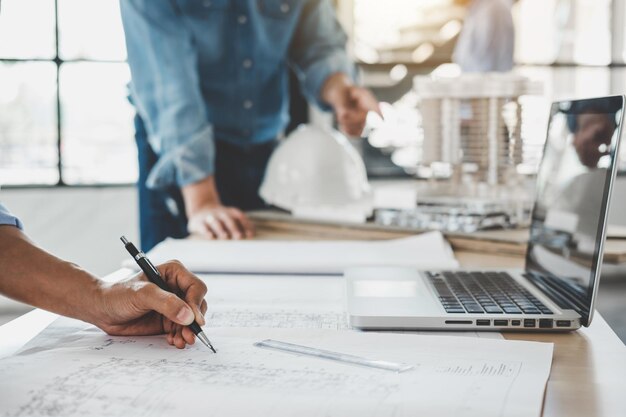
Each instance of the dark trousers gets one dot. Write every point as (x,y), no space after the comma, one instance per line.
(238,175)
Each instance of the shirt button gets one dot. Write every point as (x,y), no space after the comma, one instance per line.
(242,19)
(247,104)
(247,63)
(284,7)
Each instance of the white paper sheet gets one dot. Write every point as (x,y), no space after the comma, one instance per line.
(285,301)
(428,250)
(278,318)
(75,370)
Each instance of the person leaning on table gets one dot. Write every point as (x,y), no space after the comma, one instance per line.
(134,306)
(210,86)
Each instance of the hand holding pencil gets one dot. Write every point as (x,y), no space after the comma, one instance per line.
(139,306)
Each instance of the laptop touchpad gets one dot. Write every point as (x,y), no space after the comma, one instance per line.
(380,288)
(389,291)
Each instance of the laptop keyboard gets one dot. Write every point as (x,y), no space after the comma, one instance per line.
(484,292)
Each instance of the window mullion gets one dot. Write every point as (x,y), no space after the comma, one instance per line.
(58,62)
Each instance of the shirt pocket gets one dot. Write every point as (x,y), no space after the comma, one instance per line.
(277,9)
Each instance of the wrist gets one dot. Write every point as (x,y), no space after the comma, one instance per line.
(200,195)
(335,89)
(89,302)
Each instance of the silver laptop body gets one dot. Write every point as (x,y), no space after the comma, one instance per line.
(556,290)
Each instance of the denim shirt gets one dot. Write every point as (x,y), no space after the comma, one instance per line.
(205,70)
(7,218)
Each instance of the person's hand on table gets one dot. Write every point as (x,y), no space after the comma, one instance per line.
(220,222)
(138,307)
(350,103)
(209,218)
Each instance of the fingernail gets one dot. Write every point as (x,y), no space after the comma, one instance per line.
(185,316)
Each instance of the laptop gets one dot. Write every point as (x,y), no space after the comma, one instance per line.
(557,288)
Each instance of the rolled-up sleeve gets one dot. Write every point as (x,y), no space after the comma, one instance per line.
(318,49)
(166,92)
(7,218)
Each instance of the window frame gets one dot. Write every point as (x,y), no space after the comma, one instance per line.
(59,62)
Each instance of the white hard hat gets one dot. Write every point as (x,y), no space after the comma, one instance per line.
(316,173)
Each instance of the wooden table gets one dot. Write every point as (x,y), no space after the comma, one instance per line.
(588,377)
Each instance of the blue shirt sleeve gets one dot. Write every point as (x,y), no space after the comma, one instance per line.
(318,49)
(7,218)
(166,92)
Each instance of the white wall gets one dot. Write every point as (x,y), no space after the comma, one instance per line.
(82,225)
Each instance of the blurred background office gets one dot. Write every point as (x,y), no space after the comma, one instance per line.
(68,161)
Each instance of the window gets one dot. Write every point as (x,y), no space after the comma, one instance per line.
(571,32)
(64,114)
(575,48)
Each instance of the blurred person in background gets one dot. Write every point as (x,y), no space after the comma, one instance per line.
(593,133)
(487,41)
(210,86)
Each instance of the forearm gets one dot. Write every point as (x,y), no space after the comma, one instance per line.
(199,195)
(33,276)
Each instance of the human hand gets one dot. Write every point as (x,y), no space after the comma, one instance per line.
(138,307)
(351,103)
(351,111)
(220,222)
(592,138)
(207,217)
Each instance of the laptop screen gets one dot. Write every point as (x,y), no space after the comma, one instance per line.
(573,184)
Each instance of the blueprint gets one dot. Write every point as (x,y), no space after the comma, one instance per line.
(73,369)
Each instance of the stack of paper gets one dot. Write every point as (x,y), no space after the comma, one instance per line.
(425,251)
